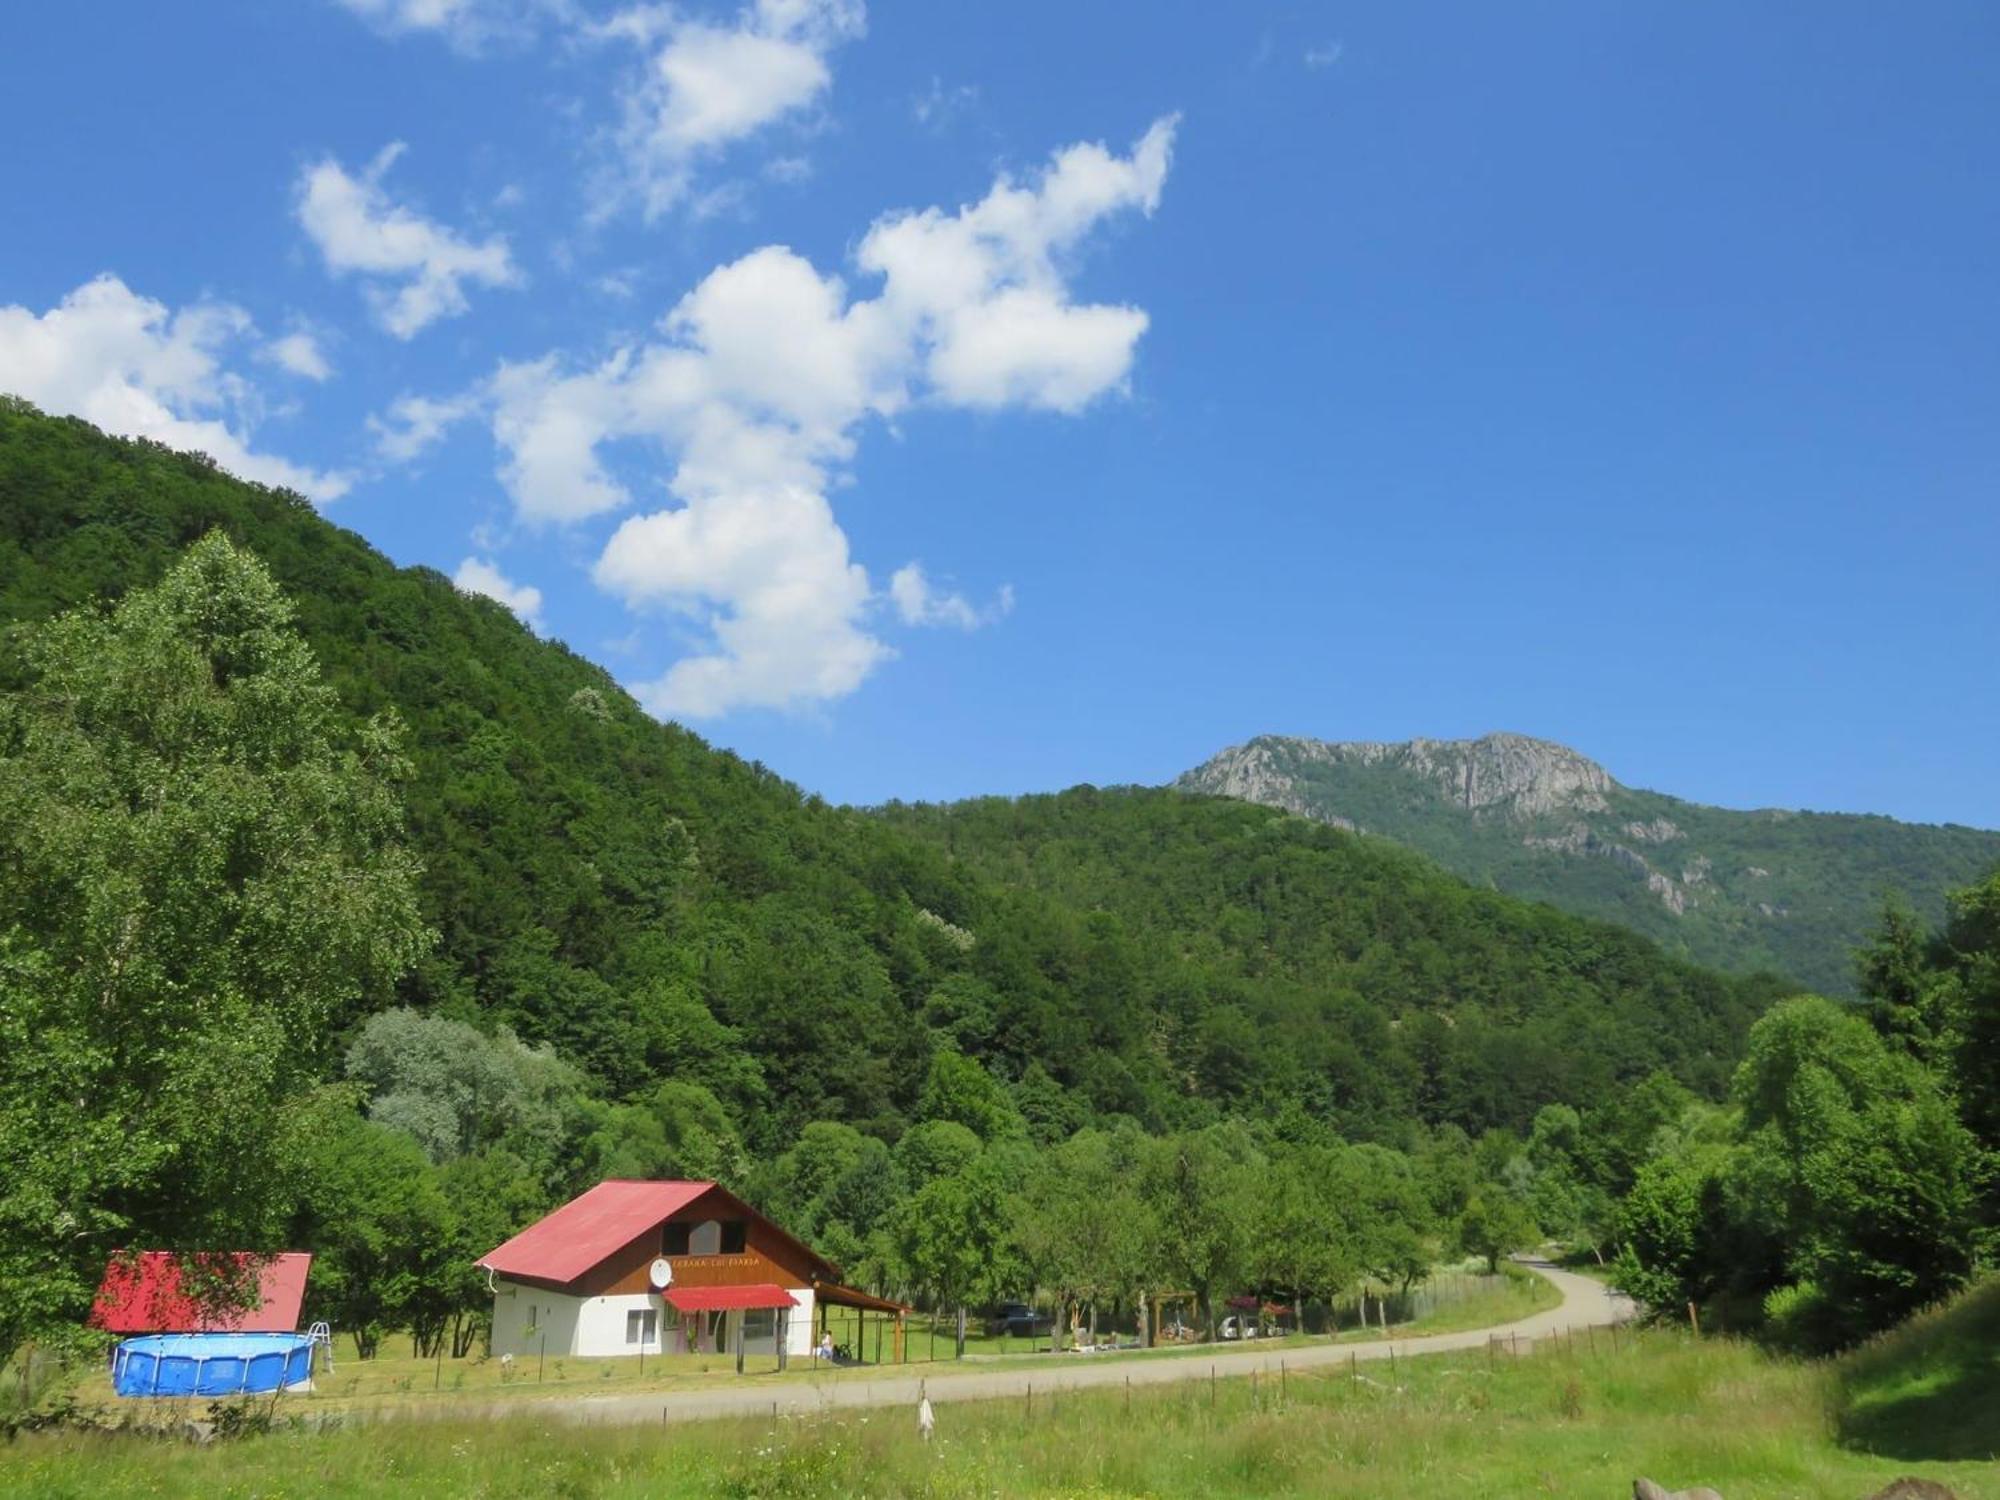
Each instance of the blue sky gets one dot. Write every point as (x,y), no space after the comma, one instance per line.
(942,399)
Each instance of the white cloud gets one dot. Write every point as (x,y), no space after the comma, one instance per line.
(133,367)
(983,293)
(755,391)
(938,106)
(706,86)
(774,557)
(476,575)
(919,602)
(416,424)
(299,353)
(468,25)
(1324,56)
(358,228)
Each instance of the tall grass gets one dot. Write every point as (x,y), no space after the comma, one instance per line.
(1929,1388)
(1570,1422)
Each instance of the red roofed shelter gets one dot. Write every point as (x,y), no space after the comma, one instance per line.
(149,1291)
(649,1267)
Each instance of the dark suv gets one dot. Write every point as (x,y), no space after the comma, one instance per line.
(1020,1321)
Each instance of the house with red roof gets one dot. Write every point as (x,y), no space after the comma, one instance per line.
(661,1267)
(157,1291)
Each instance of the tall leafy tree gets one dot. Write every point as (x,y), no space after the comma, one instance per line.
(1306,1242)
(204,874)
(1861,1157)
(1081,1226)
(1203,1186)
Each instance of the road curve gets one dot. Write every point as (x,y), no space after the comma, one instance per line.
(1586,1304)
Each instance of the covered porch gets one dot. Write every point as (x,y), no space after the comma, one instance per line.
(865,1319)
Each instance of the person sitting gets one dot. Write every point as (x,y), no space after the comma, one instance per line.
(824,1350)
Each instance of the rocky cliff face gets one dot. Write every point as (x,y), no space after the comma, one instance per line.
(1791,891)
(1506,773)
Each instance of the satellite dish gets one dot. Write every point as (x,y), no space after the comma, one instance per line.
(661,1273)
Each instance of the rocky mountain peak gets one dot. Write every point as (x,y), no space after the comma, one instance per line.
(1513,774)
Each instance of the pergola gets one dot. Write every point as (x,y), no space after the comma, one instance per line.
(832,1292)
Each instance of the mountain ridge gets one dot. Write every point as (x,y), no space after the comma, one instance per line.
(1769,888)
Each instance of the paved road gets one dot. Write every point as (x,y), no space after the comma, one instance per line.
(1586,1304)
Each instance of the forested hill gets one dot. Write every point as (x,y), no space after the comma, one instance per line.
(656,908)
(1295,961)
(1797,892)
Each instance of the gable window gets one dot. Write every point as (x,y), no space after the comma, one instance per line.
(642,1325)
(706,1237)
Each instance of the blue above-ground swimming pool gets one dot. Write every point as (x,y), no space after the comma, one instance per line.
(210,1364)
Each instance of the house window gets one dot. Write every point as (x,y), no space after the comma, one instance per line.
(760,1322)
(642,1325)
(708,1237)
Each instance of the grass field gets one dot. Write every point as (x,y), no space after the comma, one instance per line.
(1574,1423)
(1932,1387)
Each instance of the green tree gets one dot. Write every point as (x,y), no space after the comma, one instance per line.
(205,875)
(1870,1176)
(453,1089)
(951,1234)
(960,1090)
(1387,1213)
(1673,1228)
(1203,1187)
(673,1130)
(1306,1242)
(489,1197)
(1970,963)
(1906,1002)
(1080,1225)
(384,1241)
(1495,1223)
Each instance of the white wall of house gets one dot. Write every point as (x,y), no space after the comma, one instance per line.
(594,1327)
(528,1320)
(589,1327)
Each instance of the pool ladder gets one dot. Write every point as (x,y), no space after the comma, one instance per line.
(320,1336)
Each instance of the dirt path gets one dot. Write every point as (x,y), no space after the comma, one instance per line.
(1586,1304)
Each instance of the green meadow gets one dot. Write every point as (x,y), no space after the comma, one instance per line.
(1570,1421)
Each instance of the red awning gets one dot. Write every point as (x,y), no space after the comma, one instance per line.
(717,1298)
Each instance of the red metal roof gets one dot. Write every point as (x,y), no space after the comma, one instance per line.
(716,1298)
(563,1245)
(141,1293)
